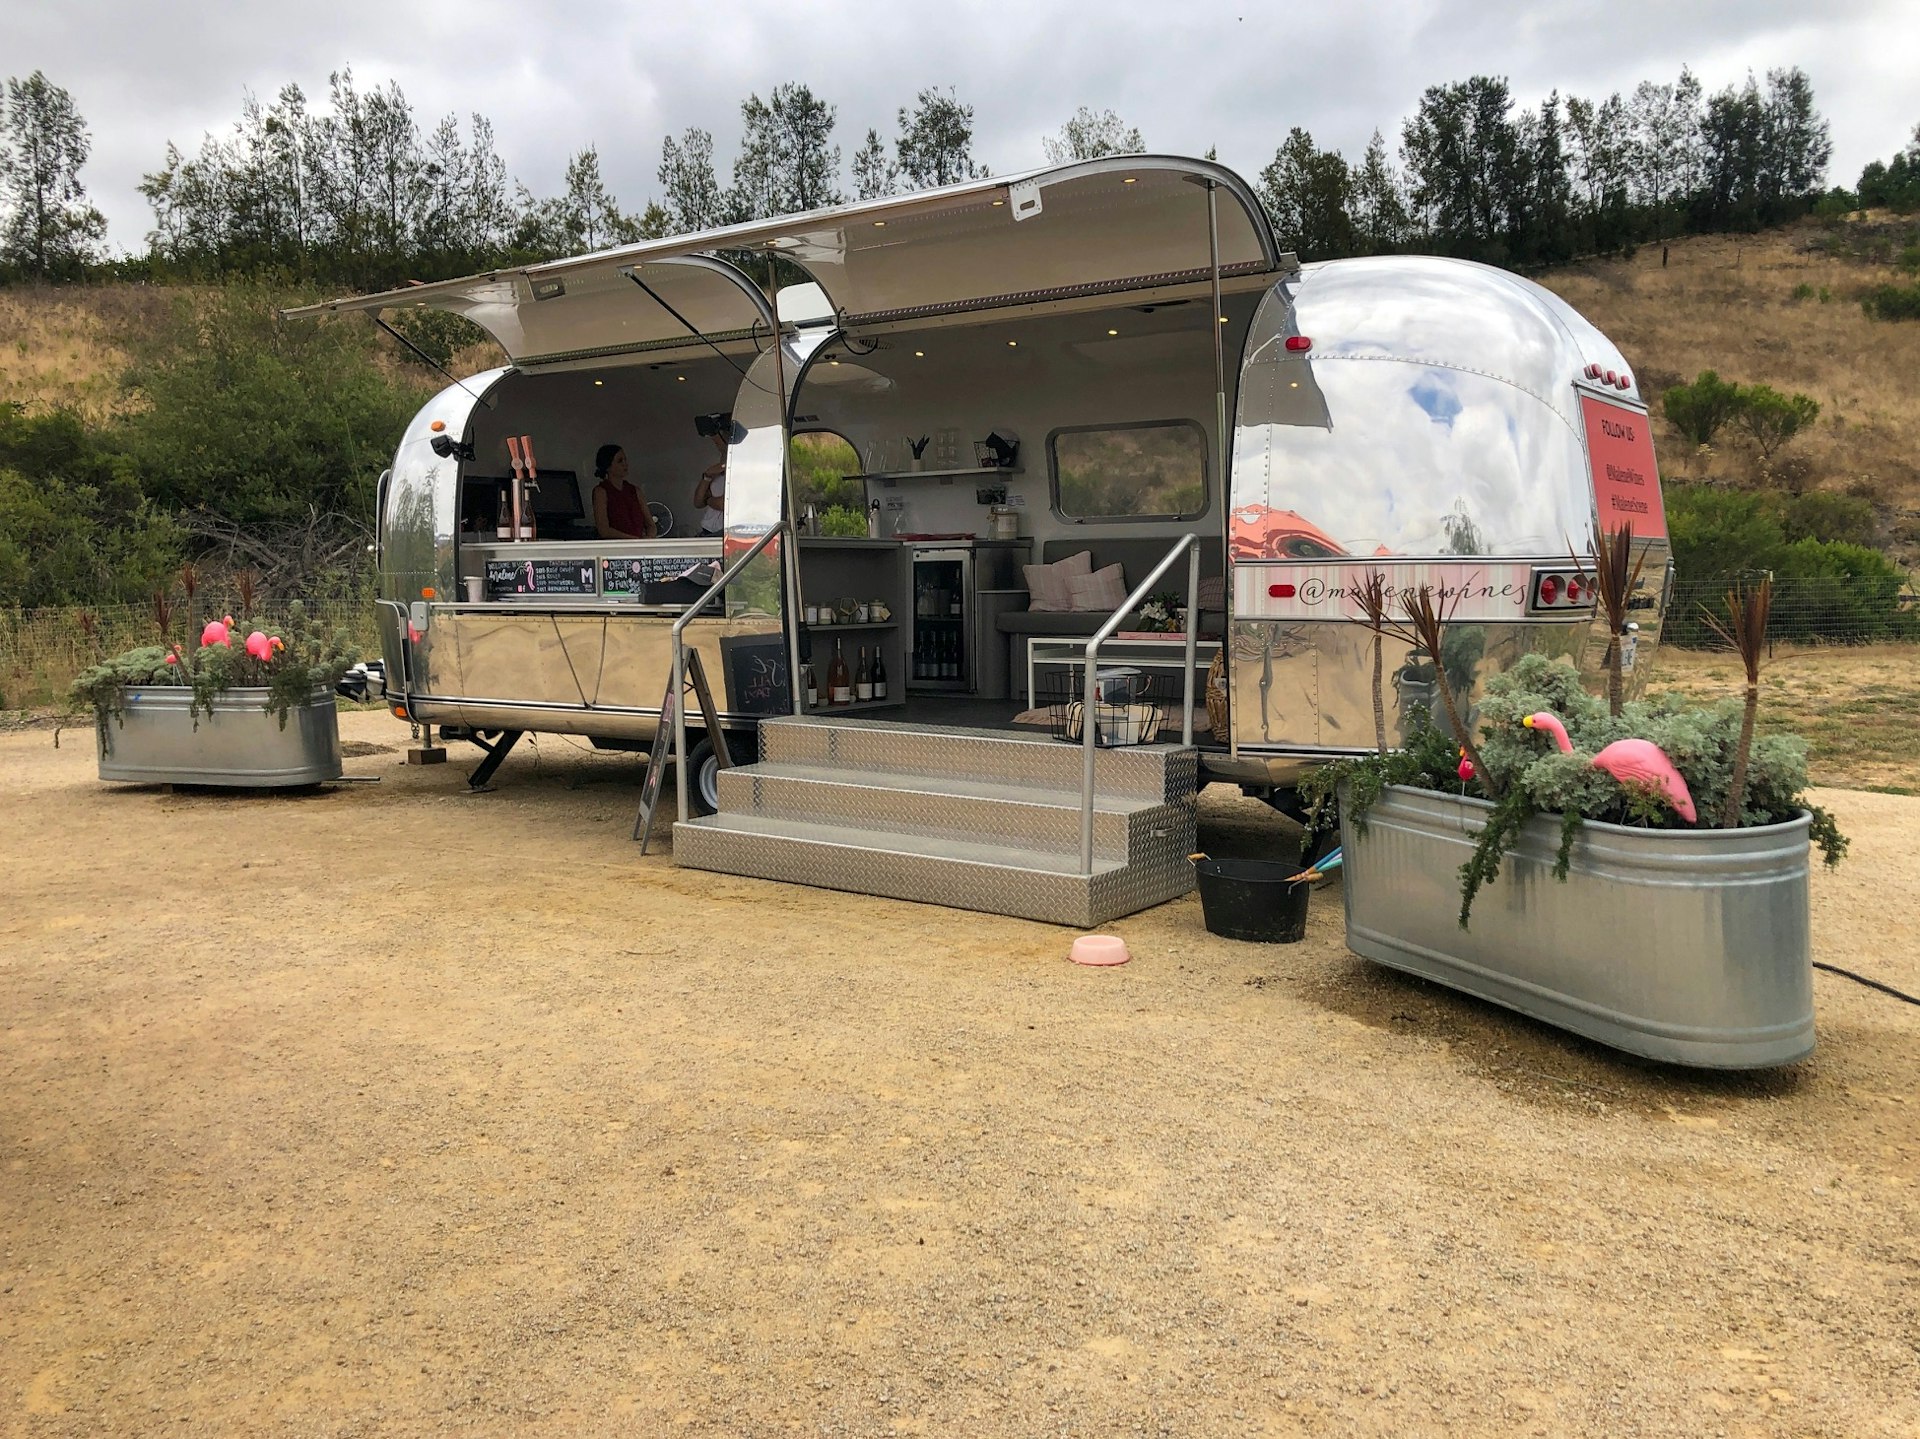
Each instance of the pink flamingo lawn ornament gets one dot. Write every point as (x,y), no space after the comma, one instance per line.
(1640,761)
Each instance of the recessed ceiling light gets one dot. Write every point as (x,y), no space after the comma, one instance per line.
(834,361)
(919,354)
(599,382)
(1012,343)
(1129,181)
(1223,319)
(1293,384)
(879,224)
(998,203)
(1113,332)
(681,378)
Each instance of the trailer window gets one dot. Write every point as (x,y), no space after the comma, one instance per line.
(1151,471)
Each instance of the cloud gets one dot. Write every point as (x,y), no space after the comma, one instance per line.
(621,76)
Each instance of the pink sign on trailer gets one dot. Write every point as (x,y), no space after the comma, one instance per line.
(1626,485)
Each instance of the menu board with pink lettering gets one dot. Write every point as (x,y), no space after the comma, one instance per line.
(1626,486)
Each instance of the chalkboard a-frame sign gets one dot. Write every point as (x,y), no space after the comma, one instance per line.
(756,674)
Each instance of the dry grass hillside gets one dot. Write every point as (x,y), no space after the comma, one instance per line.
(66,347)
(1727,303)
(1780,309)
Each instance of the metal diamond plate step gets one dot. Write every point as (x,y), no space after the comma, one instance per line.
(1004,816)
(1024,884)
(1153,772)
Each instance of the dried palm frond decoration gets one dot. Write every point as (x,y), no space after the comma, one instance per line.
(1615,574)
(1746,630)
(1422,625)
(1371,598)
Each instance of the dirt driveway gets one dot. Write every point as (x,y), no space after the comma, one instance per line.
(387,1110)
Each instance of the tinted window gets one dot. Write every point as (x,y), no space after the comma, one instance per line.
(1156,471)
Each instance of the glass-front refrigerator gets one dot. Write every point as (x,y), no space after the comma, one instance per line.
(942,620)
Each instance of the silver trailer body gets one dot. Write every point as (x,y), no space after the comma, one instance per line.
(1438,421)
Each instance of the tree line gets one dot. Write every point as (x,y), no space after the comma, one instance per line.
(358,190)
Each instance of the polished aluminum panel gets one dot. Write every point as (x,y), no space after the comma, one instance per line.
(1688,946)
(970,245)
(595,311)
(1434,415)
(235,742)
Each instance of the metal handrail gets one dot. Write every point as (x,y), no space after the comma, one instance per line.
(680,666)
(1088,736)
(406,648)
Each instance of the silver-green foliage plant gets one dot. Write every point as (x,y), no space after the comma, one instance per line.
(1534,777)
(297,658)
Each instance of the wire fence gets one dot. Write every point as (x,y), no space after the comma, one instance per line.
(1805,611)
(42,650)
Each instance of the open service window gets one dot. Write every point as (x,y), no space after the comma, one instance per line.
(1153,470)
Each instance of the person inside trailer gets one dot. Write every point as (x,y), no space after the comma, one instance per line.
(619,508)
(709,496)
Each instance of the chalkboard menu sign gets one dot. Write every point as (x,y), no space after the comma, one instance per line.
(539,577)
(756,674)
(628,576)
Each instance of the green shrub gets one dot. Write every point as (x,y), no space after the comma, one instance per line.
(1771,418)
(1700,409)
(1803,291)
(1892,302)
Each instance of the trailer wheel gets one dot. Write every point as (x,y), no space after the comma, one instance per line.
(703,776)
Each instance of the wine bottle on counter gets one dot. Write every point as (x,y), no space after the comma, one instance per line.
(839,682)
(862,678)
(879,675)
(503,516)
(813,688)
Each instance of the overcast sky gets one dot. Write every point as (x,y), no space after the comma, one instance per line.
(622,75)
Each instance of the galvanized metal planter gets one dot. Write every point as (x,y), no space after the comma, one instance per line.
(1688,946)
(238,743)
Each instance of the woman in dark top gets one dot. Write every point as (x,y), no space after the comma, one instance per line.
(619,508)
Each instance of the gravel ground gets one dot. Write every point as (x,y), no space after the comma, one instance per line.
(389,1110)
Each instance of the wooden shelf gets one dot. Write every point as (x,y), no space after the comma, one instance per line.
(971,470)
(865,625)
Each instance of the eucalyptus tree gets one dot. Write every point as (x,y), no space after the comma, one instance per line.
(47,227)
(935,146)
(874,172)
(1088,136)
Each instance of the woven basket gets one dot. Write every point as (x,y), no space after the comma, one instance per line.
(1217,695)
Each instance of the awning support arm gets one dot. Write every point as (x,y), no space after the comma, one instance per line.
(1219,438)
(374,315)
(689,326)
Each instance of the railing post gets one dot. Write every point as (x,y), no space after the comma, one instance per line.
(1193,630)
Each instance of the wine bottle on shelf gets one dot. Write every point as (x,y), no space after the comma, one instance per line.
(920,658)
(813,688)
(879,675)
(953,658)
(839,682)
(863,678)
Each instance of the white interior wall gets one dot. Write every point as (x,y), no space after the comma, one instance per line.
(1062,371)
(646,409)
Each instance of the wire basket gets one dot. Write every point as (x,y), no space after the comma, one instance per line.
(1129,706)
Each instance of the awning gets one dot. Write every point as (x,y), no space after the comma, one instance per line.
(592,311)
(1110,226)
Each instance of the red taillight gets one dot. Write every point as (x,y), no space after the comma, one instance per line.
(1573,592)
(1549,590)
(1281,592)
(1612,378)
(1626,382)
(1593,372)
(1299,344)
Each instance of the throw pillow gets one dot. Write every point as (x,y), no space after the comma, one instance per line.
(1047,584)
(1213,593)
(1103,590)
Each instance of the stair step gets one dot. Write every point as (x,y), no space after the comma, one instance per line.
(1005,817)
(1157,772)
(1026,884)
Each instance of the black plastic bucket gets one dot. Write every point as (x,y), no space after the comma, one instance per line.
(1253,899)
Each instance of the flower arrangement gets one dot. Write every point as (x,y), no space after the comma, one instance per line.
(1545,747)
(288,661)
(1163,614)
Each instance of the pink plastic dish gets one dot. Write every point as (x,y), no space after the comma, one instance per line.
(1100,949)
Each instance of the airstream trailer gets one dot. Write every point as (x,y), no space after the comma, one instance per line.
(1068,392)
